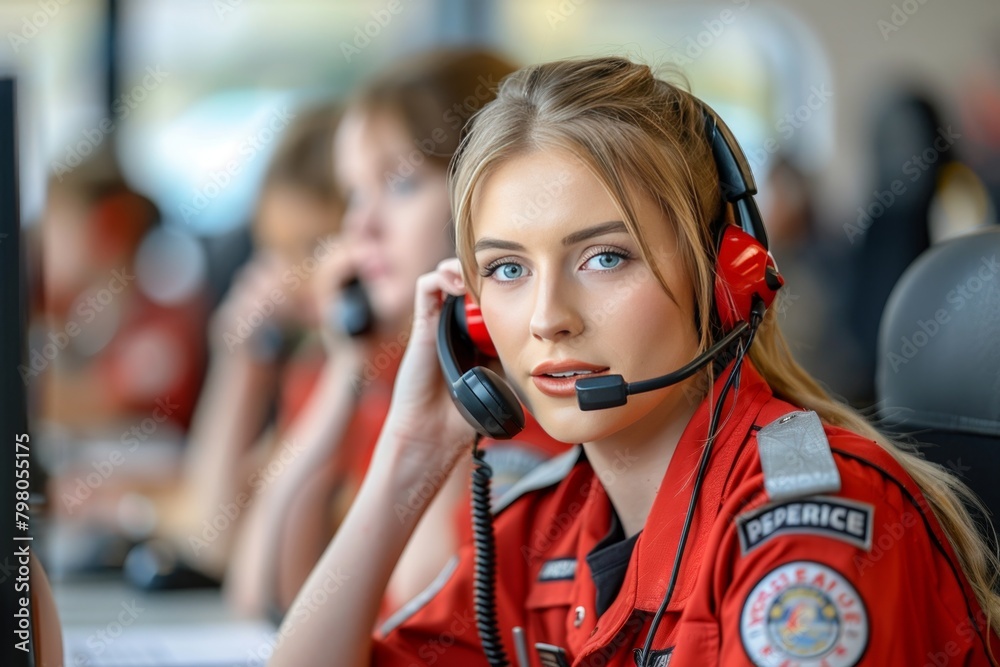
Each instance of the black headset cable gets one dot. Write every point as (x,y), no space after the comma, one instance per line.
(734,374)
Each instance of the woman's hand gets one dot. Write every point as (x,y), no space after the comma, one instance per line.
(423,424)
(328,292)
(257,304)
(422,439)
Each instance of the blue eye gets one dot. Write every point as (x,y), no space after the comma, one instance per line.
(604,261)
(506,272)
(405,186)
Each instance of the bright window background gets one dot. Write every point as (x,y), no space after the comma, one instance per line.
(753,67)
(236,70)
(232,62)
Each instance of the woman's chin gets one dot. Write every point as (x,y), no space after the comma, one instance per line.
(392,310)
(572,426)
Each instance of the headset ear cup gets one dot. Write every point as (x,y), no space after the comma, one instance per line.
(744,270)
(471,320)
(480,395)
(487,403)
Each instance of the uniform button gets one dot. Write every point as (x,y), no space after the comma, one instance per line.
(578,615)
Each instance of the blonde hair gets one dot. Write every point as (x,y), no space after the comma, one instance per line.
(640,135)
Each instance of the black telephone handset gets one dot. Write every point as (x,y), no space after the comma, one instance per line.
(354,316)
(484,399)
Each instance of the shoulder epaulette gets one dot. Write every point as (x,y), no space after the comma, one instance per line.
(796,458)
(547,474)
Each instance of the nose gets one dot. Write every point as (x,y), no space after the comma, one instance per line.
(364,219)
(554,316)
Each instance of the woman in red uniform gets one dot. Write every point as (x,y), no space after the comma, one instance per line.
(736,517)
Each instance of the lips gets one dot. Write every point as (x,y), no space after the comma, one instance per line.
(558,378)
(373,270)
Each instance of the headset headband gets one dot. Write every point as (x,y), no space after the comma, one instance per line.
(735,176)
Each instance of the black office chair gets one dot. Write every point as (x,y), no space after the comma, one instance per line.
(938,374)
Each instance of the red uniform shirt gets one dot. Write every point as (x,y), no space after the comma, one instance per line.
(860,576)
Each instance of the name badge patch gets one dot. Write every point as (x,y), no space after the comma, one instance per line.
(560,569)
(838,518)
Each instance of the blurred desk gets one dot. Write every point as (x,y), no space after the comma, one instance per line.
(91,601)
(108,623)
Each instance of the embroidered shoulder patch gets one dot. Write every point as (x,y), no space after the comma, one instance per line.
(795,457)
(807,614)
(839,518)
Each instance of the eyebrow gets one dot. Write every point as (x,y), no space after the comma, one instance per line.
(596,230)
(487,243)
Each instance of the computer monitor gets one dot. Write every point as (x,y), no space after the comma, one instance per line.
(14,441)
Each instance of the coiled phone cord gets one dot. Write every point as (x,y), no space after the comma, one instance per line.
(484,581)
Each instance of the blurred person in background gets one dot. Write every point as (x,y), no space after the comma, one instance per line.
(969,196)
(266,352)
(980,109)
(105,372)
(811,311)
(392,151)
(116,357)
(911,145)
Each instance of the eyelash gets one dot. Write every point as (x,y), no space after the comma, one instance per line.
(493,266)
(609,250)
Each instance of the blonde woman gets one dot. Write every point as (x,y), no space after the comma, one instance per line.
(736,517)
